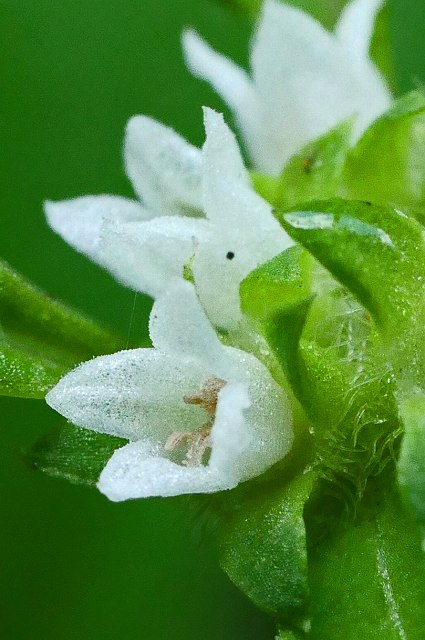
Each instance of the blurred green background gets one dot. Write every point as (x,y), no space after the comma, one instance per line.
(72,565)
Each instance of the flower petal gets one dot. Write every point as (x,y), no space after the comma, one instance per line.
(267,433)
(230,81)
(134,472)
(178,325)
(165,169)
(221,158)
(307,81)
(355,26)
(230,435)
(243,234)
(79,221)
(135,394)
(235,87)
(144,256)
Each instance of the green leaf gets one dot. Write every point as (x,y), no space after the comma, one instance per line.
(316,171)
(367,576)
(328,12)
(41,338)
(386,166)
(263,550)
(329,350)
(23,376)
(411,465)
(74,454)
(378,254)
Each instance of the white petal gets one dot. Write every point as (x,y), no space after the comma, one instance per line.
(243,234)
(230,81)
(307,81)
(133,394)
(165,169)
(239,449)
(230,435)
(79,221)
(178,325)
(235,87)
(220,153)
(144,256)
(268,419)
(133,472)
(355,26)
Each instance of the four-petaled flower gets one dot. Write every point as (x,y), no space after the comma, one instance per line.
(305,80)
(199,208)
(199,416)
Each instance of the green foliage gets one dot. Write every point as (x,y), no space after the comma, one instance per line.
(263,550)
(386,165)
(41,338)
(326,345)
(75,454)
(411,465)
(367,577)
(377,253)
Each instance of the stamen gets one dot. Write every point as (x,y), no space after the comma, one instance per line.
(208,396)
(198,441)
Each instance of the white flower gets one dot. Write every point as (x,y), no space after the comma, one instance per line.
(187,397)
(199,208)
(305,80)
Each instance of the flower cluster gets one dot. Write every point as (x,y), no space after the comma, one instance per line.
(201,416)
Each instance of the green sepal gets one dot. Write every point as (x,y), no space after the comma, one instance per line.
(367,574)
(281,281)
(74,454)
(41,338)
(263,550)
(316,171)
(276,297)
(386,166)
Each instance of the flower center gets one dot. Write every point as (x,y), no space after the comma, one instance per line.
(198,441)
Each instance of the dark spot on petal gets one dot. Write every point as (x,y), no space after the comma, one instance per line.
(230,255)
